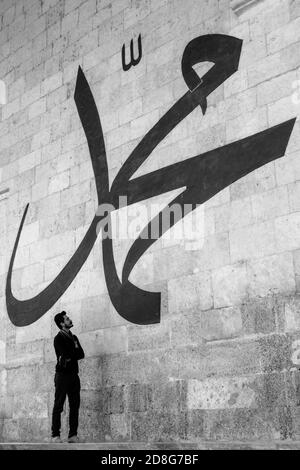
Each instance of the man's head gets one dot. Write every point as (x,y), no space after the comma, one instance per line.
(63,321)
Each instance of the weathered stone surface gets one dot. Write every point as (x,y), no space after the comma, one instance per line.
(91,371)
(148,337)
(158,426)
(245,424)
(138,397)
(224,358)
(120,427)
(221,393)
(96,313)
(6,406)
(25,353)
(230,285)
(206,326)
(104,341)
(190,293)
(274,352)
(292,314)
(26,430)
(94,426)
(262,315)
(31,378)
(271,275)
(33,405)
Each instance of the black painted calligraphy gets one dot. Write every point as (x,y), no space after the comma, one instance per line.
(201,177)
(132,61)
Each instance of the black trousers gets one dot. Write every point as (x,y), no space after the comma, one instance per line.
(66,384)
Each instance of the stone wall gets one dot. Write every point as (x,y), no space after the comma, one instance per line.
(222,363)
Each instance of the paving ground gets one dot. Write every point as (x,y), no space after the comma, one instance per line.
(207,445)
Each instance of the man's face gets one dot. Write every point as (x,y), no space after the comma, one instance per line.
(67,322)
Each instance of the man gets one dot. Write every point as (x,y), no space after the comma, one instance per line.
(68,351)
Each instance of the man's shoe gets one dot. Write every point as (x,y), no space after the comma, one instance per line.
(73,439)
(56,439)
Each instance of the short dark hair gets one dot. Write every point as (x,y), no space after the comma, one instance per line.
(59,318)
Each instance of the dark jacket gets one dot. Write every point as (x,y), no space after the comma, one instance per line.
(66,352)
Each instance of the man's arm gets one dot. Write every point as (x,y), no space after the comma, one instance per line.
(78,349)
(62,350)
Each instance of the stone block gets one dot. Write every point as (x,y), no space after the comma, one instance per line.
(26,430)
(274,352)
(271,275)
(141,125)
(131,111)
(158,427)
(234,215)
(2,352)
(242,424)
(289,57)
(230,285)
(6,407)
(226,358)
(190,293)
(51,83)
(92,343)
(120,427)
(29,161)
(205,326)
(282,110)
(94,427)
(237,83)
(32,275)
(247,124)
(115,340)
(287,231)
(112,399)
(11,108)
(284,36)
(276,88)
(253,51)
(24,353)
(38,330)
(59,182)
(294,9)
(221,393)
(91,373)
(292,314)
(30,234)
(288,168)
(265,69)
(148,337)
(293,192)
(95,313)
(223,323)
(141,367)
(270,204)
(195,425)
(37,108)
(170,397)
(138,397)
(105,341)
(38,378)
(238,104)
(262,315)
(30,406)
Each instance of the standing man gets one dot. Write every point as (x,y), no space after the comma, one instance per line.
(68,352)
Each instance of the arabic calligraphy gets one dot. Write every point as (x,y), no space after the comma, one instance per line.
(132,61)
(200,177)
